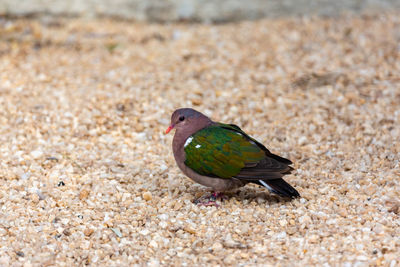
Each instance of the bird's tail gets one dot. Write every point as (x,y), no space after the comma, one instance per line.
(280,187)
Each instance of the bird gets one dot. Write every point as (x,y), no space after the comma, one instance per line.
(223,157)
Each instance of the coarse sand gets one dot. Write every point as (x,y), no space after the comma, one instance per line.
(87,175)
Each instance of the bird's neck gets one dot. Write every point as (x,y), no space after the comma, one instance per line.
(180,139)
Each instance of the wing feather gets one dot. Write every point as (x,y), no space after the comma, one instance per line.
(225,151)
(221,152)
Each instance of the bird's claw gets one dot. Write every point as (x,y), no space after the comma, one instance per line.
(207,203)
(210,199)
(220,196)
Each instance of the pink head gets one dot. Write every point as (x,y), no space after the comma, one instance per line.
(188,119)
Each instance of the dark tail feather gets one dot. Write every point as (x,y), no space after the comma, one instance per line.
(280,187)
(280,159)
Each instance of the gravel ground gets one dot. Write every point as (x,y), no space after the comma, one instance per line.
(88,177)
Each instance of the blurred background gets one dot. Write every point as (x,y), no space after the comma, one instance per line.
(191,10)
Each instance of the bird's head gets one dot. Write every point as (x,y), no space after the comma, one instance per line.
(187,119)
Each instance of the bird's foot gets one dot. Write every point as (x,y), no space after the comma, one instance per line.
(211,199)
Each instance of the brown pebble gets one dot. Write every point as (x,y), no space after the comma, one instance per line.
(342,212)
(88,231)
(393,206)
(313,238)
(370,190)
(139,127)
(35,198)
(229,259)
(83,194)
(189,229)
(217,246)
(67,232)
(178,205)
(196,101)
(147,196)
(282,223)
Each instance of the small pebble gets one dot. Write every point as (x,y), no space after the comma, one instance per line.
(35,198)
(189,229)
(229,259)
(153,244)
(302,140)
(83,194)
(217,246)
(147,196)
(88,231)
(117,232)
(313,239)
(36,154)
(67,232)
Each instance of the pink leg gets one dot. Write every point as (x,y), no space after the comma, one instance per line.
(210,199)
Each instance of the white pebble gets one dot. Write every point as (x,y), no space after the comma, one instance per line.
(144,232)
(281,235)
(36,154)
(153,244)
(302,140)
(163,217)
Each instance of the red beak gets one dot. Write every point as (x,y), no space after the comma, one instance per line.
(169,129)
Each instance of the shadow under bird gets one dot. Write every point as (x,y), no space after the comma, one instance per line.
(223,157)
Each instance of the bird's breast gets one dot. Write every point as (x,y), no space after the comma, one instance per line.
(178,147)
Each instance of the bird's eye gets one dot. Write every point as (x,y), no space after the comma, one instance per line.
(182,118)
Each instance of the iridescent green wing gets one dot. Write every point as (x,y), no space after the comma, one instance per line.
(221,150)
